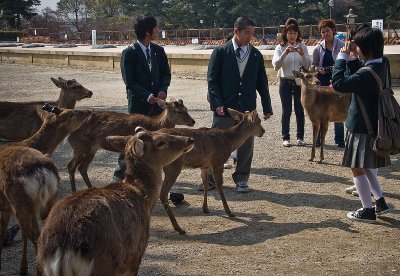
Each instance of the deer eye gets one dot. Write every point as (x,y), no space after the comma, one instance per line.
(161,144)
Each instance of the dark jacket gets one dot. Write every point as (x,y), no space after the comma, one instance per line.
(139,81)
(226,88)
(363,84)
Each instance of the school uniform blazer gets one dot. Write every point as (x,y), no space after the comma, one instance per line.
(225,86)
(360,83)
(140,82)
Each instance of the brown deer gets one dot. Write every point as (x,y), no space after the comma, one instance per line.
(19,120)
(29,179)
(105,231)
(322,105)
(89,138)
(212,148)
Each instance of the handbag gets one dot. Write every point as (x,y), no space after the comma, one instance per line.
(387,139)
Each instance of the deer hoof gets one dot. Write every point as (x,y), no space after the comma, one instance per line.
(181,231)
(231,215)
(205,210)
(320,162)
(311,159)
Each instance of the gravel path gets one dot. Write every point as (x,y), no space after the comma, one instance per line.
(292,222)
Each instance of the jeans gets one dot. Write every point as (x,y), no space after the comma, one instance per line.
(288,90)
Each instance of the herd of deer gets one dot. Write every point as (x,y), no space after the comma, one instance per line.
(104,231)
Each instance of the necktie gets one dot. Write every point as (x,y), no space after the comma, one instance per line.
(148,56)
(237,53)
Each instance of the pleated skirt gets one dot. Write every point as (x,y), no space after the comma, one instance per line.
(358,153)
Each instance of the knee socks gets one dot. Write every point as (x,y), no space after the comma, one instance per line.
(372,176)
(363,190)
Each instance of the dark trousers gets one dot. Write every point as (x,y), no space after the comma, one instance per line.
(244,152)
(290,94)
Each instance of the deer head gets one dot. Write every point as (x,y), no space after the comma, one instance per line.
(177,112)
(251,118)
(72,88)
(307,78)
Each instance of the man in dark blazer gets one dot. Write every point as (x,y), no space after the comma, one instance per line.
(235,71)
(146,74)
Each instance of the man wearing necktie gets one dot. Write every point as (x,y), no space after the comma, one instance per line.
(146,74)
(235,72)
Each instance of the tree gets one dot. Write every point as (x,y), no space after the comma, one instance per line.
(75,12)
(12,10)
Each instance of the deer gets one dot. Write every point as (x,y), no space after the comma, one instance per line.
(105,231)
(212,148)
(91,136)
(19,120)
(29,178)
(322,105)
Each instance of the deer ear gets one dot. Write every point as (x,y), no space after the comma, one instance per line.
(56,82)
(298,74)
(139,129)
(254,115)
(163,104)
(236,115)
(138,147)
(180,101)
(118,143)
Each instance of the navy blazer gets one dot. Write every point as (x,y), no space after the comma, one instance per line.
(363,84)
(226,87)
(140,82)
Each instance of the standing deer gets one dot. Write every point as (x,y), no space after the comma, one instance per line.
(29,179)
(322,105)
(105,231)
(91,136)
(212,148)
(19,120)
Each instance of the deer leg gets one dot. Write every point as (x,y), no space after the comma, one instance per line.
(315,134)
(83,168)
(324,130)
(72,165)
(217,173)
(171,173)
(5,219)
(204,178)
(25,225)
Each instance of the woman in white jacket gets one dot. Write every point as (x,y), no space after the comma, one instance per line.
(289,56)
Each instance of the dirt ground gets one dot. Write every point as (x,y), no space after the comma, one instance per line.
(293,222)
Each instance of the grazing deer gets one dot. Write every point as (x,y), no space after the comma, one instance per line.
(29,179)
(19,120)
(322,105)
(89,138)
(105,231)
(212,148)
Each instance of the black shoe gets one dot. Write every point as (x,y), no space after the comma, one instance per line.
(381,207)
(10,236)
(340,145)
(176,198)
(364,214)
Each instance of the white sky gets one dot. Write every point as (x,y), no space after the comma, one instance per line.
(47,3)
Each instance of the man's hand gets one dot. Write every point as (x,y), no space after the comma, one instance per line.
(152,100)
(220,111)
(267,116)
(162,95)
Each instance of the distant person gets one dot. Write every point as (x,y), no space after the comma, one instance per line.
(368,45)
(145,72)
(235,71)
(324,57)
(289,55)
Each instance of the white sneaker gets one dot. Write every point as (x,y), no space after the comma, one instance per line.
(351,189)
(227,166)
(286,143)
(300,142)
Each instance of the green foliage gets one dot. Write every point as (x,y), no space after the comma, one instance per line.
(12,10)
